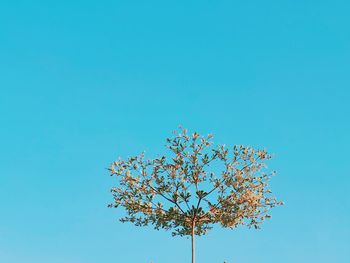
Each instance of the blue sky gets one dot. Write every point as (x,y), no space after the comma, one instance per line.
(84,82)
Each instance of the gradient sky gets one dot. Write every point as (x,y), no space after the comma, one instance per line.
(84,82)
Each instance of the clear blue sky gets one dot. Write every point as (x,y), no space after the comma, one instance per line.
(83,82)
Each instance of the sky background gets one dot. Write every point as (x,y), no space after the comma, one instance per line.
(84,82)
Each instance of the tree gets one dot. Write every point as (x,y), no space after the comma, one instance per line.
(197,186)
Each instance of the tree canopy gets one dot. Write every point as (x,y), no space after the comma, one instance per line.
(196,186)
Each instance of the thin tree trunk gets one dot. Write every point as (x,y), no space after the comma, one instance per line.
(192,241)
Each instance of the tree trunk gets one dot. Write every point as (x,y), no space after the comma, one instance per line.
(192,241)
